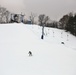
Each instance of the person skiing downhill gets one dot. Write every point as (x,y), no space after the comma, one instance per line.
(30,53)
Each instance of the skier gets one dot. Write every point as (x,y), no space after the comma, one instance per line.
(30,53)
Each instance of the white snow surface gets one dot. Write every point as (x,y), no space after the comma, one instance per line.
(50,57)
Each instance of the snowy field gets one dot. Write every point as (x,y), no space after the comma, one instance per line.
(50,57)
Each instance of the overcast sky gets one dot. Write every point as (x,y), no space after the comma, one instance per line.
(53,8)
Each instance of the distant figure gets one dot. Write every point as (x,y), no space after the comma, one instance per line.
(42,37)
(30,53)
(62,43)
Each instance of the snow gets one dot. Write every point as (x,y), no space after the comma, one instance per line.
(50,57)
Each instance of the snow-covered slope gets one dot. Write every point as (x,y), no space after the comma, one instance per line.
(50,57)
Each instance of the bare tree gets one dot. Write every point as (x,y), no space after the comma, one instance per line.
(4,15)
(43,21)
(2,11)
(32,18)
(7,14)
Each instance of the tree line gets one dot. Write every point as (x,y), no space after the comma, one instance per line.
(8,17)
(67,22)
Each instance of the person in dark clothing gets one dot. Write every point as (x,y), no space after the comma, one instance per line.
(42,37)
(30,53)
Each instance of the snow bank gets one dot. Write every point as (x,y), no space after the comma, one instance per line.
(50,57)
